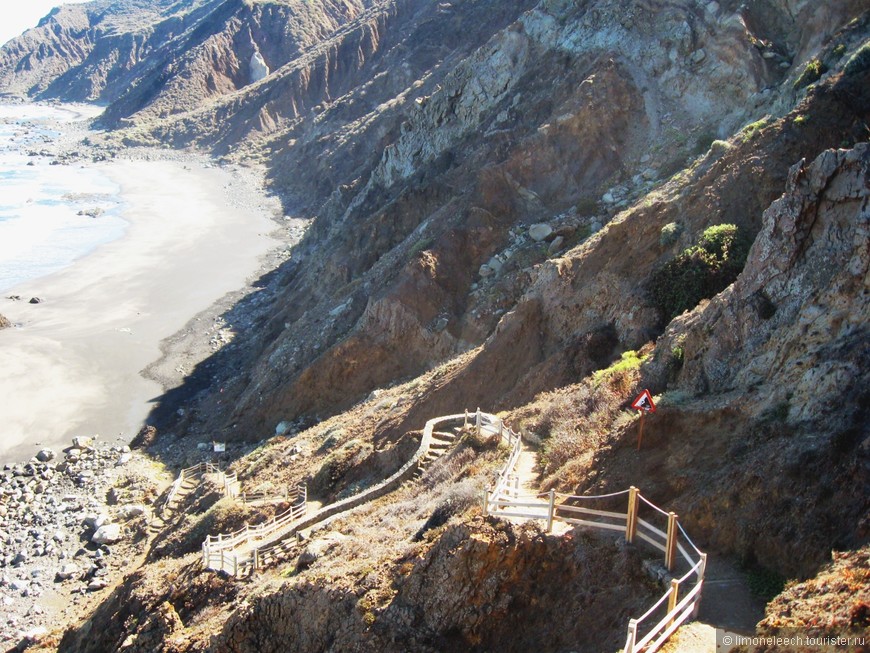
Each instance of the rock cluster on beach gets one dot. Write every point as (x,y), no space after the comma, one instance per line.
(67,527)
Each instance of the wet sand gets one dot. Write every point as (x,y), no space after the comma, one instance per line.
(72,364)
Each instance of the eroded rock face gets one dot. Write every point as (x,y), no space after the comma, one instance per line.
(481,587)
(796,320)
(770,402)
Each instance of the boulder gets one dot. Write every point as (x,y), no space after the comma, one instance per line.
(107,534)
(36,300)
(539,232)
(83,442)
(94,522)
(556,245)
(133,510)
(495,264)
(259,69)
(66,572)
(4,322)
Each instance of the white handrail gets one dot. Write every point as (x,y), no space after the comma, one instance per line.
(508,505)
(503,498)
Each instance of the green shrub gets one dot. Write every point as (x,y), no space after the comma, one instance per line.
(629,361)
(811,73)
(764,583)
(421,245)
(858,62)
(699,272)
(670,233)
(748,132)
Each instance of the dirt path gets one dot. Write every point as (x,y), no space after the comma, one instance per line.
(525,470)
(727,604)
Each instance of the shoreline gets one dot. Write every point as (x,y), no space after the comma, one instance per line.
(79,362)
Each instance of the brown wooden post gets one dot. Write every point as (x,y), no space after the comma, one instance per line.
(672,599)
(631,516)
(477,421)
(550,510)
(465,424)
(640,429)
(256,559)
(701,571)
(671,545)
(486,501)
(632,636)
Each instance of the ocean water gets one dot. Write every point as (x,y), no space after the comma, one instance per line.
(50,215)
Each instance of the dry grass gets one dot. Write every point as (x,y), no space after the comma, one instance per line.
(574,422)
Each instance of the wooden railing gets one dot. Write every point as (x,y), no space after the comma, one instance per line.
(197,470)
(221,552)
(679,602)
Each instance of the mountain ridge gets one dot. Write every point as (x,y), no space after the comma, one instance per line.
(493,190)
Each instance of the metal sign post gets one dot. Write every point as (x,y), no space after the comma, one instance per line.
(644,403)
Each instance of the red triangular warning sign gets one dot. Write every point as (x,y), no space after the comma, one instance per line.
(644,401)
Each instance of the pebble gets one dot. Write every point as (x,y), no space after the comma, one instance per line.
(47,506)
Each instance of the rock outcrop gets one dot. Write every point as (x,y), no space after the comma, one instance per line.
(445,603)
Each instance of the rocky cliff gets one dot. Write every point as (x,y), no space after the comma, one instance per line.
(500,194)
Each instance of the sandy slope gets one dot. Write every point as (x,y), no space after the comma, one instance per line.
(73,364)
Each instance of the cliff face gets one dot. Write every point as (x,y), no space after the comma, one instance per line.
(156,59)
(389,281)
(493,188)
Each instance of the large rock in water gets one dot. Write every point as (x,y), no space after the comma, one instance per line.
(259,69)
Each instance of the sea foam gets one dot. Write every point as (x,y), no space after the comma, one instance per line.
(50,215)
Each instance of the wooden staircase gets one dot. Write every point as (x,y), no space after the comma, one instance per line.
(441,442)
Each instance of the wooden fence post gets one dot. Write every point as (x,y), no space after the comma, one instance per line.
(235,565)
(500,429)
(256,559)
(671,545)
(551,509)
(632,636)
(486,501)
(465,423)
(701,570)
(477,421)
(631,515)
(672,599)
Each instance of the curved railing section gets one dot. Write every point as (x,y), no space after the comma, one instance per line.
(197,471)
(248,549)
(218,550)
(239,555)
(679,602)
